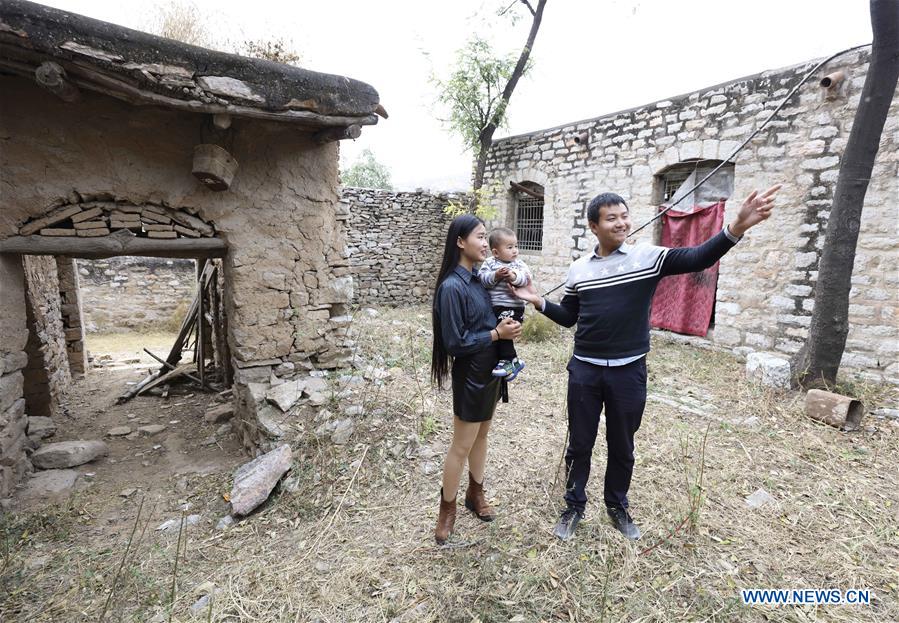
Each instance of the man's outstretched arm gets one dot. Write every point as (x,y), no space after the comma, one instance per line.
(755,209)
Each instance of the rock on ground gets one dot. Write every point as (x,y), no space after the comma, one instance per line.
(254,481)
(50,483)
(343,430)
(760,498)
(41,427)
(68,454)
(768,369)
(286,394)
(218,414)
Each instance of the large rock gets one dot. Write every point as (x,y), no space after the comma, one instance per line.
(270,420)
(254,481)
(286,394)
(50,483)
(68,454)
(768,369)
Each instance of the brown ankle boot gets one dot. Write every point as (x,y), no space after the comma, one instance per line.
(476,502)
(445,519)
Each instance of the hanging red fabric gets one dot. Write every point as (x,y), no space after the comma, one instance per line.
(684,303)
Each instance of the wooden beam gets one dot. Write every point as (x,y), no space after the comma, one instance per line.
(114,245)
(337,134)
(524,189)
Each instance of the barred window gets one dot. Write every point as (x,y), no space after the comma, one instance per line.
(529,216)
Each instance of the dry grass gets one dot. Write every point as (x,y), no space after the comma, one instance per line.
(348,537)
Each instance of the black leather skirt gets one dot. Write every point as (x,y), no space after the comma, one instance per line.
(475,389)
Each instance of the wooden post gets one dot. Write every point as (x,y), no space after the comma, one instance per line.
(201,325)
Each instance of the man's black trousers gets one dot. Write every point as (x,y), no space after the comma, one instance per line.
(621,390)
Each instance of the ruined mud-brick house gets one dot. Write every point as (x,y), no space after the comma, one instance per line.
(763,297)
(120,143)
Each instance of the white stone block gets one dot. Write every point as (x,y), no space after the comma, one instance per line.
(768,369)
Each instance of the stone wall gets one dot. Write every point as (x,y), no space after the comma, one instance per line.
(72,317)
(135,293)
(47,375)
(764,298)
(13,359)
(395,242)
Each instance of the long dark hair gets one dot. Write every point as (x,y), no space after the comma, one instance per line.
(461,227)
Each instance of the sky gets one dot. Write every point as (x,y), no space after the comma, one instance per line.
(591,57)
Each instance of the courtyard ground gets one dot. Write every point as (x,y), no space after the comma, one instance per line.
(348,535)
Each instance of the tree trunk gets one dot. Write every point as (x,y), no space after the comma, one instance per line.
(819,359)
(486,137)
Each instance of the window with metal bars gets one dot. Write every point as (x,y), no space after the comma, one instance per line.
(673,181)
(529,218)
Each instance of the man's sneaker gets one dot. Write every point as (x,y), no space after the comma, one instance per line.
(503,368)
(517,366)
(622,520)
(567,523)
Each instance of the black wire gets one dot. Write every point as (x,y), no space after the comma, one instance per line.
(740,147)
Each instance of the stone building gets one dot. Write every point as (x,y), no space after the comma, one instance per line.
(543,181)
(117,142)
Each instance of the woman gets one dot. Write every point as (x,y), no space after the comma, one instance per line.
(464,332)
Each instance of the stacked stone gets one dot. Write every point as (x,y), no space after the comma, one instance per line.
(99,218)
(395,242)
(70,299)
(134,293)
(13,359)
(765,286)
(47,375)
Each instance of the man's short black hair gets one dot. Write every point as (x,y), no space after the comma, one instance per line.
(604,199)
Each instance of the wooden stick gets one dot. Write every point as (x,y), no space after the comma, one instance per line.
(201,325)
(171,367)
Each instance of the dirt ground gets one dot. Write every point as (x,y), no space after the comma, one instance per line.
(348,535)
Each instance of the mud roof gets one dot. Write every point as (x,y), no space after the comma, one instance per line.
(144,69)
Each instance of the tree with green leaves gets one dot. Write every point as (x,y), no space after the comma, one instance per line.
(478,91)
(367,172)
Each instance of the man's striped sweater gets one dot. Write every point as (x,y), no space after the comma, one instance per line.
(609,298)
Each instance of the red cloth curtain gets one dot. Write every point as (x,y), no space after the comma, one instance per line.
(684,303)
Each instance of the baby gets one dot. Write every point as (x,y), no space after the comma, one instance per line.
(496,273)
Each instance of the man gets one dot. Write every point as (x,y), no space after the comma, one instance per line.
(608,294)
